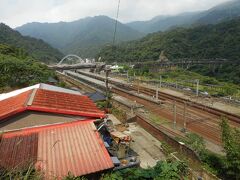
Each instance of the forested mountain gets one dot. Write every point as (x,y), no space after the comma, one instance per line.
(83,37)
(220,13)
(209,41)
(19,70)
(36,48)
(163,23)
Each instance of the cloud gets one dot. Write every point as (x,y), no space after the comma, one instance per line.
(18,12)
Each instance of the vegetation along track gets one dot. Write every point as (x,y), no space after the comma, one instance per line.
(198,120)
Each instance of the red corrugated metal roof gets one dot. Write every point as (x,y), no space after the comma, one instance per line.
(13,105)
(50,101)
(18,151)
(74,147)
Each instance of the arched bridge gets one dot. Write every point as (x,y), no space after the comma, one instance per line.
(73,62)
(71,56)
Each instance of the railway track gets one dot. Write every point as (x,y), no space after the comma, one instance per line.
(208,132)
(167,97)
(198,120)
(217,112)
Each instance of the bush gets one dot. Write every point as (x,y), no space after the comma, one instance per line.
(163,170)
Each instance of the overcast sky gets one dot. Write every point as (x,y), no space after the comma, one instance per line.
(18,12)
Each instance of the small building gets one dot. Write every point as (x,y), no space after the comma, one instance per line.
(52,129)
(96,96)
(52,81)
(116,68)
(43,105)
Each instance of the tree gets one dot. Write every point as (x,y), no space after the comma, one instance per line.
(231,144)
(18,70)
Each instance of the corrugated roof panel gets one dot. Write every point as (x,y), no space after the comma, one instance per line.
(19,151)
(13,104)
(76,148)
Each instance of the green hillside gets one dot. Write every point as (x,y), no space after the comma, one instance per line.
(82,37)
(210,41)
(36,48)
(18,70)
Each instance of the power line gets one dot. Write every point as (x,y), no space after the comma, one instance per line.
(116,23)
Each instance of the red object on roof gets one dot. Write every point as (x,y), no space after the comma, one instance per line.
(50,101)
(74,147)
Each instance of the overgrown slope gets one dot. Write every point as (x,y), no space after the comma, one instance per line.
(18,70)
(36,48)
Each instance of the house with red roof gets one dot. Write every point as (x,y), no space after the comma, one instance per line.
(44,105)
(52,129)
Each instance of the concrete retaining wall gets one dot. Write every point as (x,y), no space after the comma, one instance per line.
(162,136)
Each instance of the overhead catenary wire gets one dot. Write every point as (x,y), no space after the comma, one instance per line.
(115,29)
(116,23)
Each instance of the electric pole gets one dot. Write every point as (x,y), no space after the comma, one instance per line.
(197,90)
(107,88)
(160,82)
(184,117)
(138,86)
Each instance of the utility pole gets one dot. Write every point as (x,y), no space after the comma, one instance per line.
(174,115)
(197,90)
(160,83)
(184,117)
(127,77)
(107,88)
(157,93)
(138,86)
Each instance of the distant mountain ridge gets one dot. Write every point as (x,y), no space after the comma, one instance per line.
(163,23)
(83,37)
(206,42)
(217,14)
(36,48)
(220,13)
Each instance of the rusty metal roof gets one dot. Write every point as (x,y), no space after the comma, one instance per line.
(18,152)
(74,147)
(49,101)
